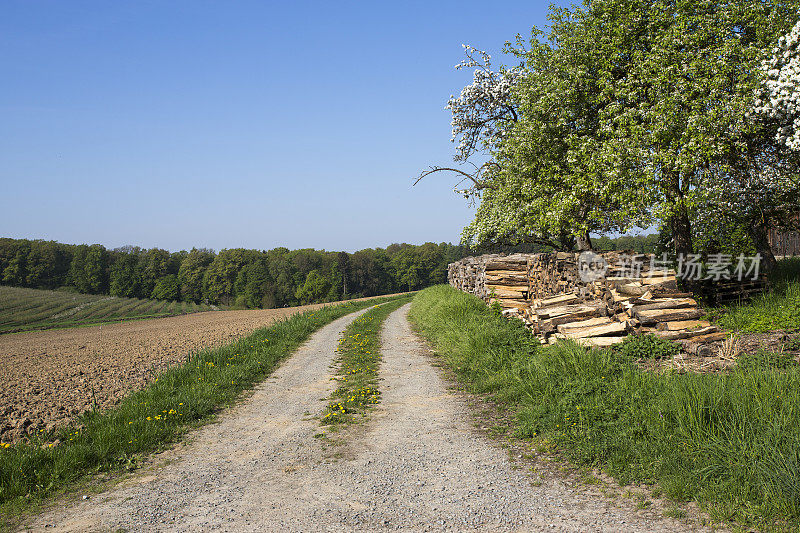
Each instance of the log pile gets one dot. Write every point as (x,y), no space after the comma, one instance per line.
(467,275)
(493,277)
(506,280)
(628,294)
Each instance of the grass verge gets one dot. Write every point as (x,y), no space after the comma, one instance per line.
(359,358)
(152,418)
(729,441)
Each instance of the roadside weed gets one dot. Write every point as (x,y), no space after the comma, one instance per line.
(359,358)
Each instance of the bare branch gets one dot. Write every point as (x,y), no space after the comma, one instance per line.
(475,177)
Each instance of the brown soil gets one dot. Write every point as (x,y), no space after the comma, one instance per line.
(51,377)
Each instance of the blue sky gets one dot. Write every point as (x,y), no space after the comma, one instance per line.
(228,124)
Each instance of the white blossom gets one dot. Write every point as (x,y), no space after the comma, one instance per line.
(482,110)
(779,99)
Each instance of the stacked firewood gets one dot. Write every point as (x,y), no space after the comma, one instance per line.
(553,295)
(467,275)
(506,280)
(493,278)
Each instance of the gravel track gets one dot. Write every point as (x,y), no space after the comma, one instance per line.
(416,464)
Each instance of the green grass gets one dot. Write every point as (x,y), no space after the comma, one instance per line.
(729,441)
(29,309)
(777,309)
(359,357)
(155,416)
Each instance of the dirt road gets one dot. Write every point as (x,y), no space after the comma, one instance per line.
(417,464)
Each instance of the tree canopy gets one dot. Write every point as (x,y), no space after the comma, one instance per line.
(630,113)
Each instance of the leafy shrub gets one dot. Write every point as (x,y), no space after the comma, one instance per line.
(647,347)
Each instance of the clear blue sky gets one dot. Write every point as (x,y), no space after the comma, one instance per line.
(228,124)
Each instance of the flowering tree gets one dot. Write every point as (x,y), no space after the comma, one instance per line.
(485,109)
(567,176)
(658,110)
(755,180)
(760,193)
(779,98)
(635,112)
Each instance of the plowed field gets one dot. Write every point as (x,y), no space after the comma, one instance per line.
(50,377)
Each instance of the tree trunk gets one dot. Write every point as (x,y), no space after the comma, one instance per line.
(583,242)
(681,229)
(759,232)
(681,232)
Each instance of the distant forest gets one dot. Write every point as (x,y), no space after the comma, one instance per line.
(240,277)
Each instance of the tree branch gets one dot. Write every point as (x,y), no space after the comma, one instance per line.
(475,178)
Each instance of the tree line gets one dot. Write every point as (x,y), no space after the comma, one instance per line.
(637,113)
(239,277)
(247,278)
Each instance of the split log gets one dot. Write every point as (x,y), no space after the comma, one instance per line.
(712,337)
(678,325)
(507,273)
(614,328)
(562,299)
(659,281)
(578,310)
(664,304)
(703,345)
(631,289)
(572,326)
(662,287)
(507,263)
(600,342)
(520,280)
(619,298)
(668,292)
(507,292)
(686,333)
(510,302)
(667,315)
(641,300)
